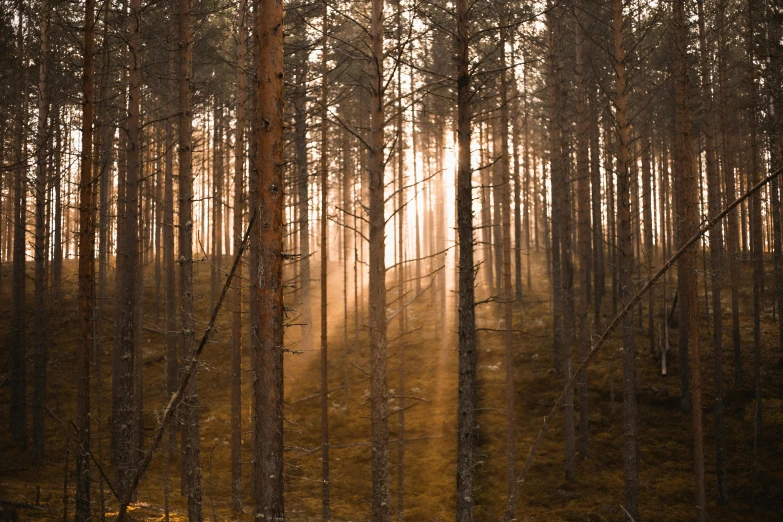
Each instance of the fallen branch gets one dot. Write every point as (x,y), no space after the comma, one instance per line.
(23,505)
(703,228)
(177,396)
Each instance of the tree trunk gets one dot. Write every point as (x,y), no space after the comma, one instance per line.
(756,239)
(191,466)
(466,401)
(583,232)
(268,413)
(123,383)
(86,276)
(236,317)
(302,181)
(172,358)
(324,264)
(626,261)
(689,222)
(379,400)
(599,284)
(17,375)
(716,257)
(40,355)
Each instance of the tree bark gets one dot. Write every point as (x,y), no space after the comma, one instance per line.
(379,400)
(86,276)
(236,317)
(268,412)
(732,223)
(324,403)
(716,254)
(689,222)
(466,401)
(40,355)
(123,383)
(625,252)
(17,375)
(583,224)
(191,467)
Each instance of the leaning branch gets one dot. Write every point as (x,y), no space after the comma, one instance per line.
(177,397)
(703,228)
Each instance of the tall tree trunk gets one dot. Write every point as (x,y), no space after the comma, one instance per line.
(466,401)
(57,255)
(556,173)
(562,267)
(756,236)
(625,251)
(17,377)
(86,276)
(300,139)
(236,317)
(583,224)
(324,263)
(40,355)
(689,222)
(191,466)
(727,147)
(268,450)
(217,201)
(172,358)
(123,384)
(379,400)
(599,284)
(716,254)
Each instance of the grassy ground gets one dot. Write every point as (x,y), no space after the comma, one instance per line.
(666,478)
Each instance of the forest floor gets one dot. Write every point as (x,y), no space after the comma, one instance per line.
(430,364)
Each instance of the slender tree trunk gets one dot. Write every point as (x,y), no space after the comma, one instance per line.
(520,220)
(756,239)
(727,147)
(716,254)
(599,284)
(17,377)
(583,232)
(556,170)
(324,264)
(172,358)
(268,414)
(466,401)
(562,240)
(611,207)
(86,276)
(347,175)
(123,384)
(236,317)
(57,255)
(400,276)
(689,222)
(40,355)
(191,467)
(217,200)
(300,138)
(379,400)
(630,446)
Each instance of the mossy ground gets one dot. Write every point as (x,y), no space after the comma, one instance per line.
(666,477)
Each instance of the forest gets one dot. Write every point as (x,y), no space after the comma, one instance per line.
(373,260)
